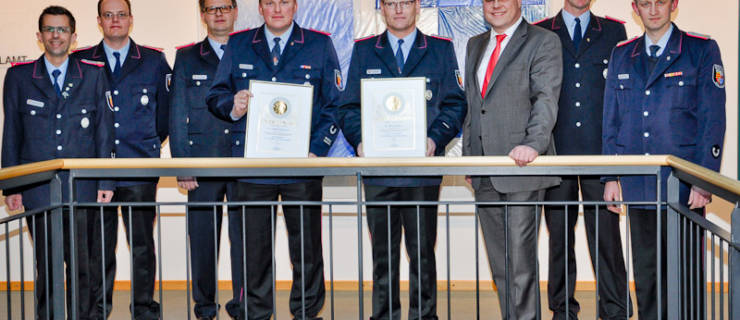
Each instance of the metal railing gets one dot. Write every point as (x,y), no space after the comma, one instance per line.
(687,284)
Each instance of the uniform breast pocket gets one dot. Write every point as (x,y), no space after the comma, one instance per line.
(307,77)
(433,87)
(36,119)
(624,89)
(241,78)
(144,98)
(83,119)
(682,92)
(601,65)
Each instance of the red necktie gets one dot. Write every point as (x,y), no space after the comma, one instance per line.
(492,63)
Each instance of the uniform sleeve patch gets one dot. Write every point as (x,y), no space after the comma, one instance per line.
(716,151)
(338,79)
(459,79)
(718,76)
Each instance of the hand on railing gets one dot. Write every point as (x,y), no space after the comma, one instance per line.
(698,198)
(241,103)
(360,153)
(611,193)
(187,183)
(523,155)
(105,196)
(431,147)
(14,202)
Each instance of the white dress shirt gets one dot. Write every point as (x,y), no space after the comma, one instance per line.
(492,46)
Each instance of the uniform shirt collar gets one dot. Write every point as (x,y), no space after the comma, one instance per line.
(662,43)
(112,59)
(283,37)
(216,47)
(63,69)
(408,42)
(570,22)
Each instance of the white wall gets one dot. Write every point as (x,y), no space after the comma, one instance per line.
(169,23)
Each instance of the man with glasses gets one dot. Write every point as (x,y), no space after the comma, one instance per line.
(403,51)
(138,77)
(665,94)
(55,107)
(587,42)
(281,51)
(196,132)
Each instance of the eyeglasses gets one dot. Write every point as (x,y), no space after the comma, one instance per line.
(220,9)
(119,15)
(50,29)
(402,4)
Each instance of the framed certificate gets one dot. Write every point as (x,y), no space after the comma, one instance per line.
(394,117)
(278,120)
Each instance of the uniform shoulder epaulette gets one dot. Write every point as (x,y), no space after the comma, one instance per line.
(15,64)
(541,21)
(81,49)
(321,32)
(185,45)
(440,37)
(153,48)
(93,63)
(239,31)
(626,42)
(615,19)
(698,35)
(364,38)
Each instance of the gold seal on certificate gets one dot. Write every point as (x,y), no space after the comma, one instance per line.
(394,120)
(278,120)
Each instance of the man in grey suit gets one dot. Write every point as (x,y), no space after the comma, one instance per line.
(512,83)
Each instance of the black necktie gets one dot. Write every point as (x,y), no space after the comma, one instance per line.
(55,74)
(653,56)
(577,34)
(399,56)
(276,52)
(117,66)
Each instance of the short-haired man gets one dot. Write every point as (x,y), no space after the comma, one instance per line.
(665,94)
(137,76)
(403,51)
(55,107)
(512,82)
(196,132)
(587,42)
(281,51)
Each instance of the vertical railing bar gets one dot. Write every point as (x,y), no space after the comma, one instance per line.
(187,257)
(390,268)
(244,294)
(659,237)
(712,275)
(567,282)
(331,259)
(303,268)
(721,281)
(697,270)
(131,258)
(477,266)
(23,285)
(685,290)
(7,270)
(627,260)
(598,273)
(447,238)
(690,272)
(506,261)
(102,255)
(159,254)
(360,288)
(32,227)
(46,264)
(216,250)
(72,249)
(272,243)
(418,257)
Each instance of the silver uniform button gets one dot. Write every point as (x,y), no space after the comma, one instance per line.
(308,76)
(578,124)
(578,104)
(116,125)
(578,84)
(59,116)
(244,74)
(59,148)
(118,141)
(647,92)
(84,111)
(33,112)
(59,132)
(115,92)
(646,134)
(274,79)
(668,58)
(116,109)
(606,61)
(190,142)
(621,87)
(578,65)
(237,142)
(645,114)
(143,91)
(197,83)
(680,83)
(226,131)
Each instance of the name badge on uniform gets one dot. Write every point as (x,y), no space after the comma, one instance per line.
(200,77)
(373,71)
(246,66)
(34,103)
(623,76)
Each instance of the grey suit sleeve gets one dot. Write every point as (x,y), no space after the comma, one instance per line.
(545,78)
(466,148)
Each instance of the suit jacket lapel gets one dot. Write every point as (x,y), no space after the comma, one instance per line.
(477,57)
(640,68)
(99,55)
(42,81)
(418,50)
(207,53)
(672,50)
(73,78)
(260,47)
(294,45)
(559,27)
(593,33)
(510,51)
(133,60)
(385,53)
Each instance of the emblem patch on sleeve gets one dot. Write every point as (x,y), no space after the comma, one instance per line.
(338,79)
(168,81)
(718,76)
(459,79)
(716,151)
